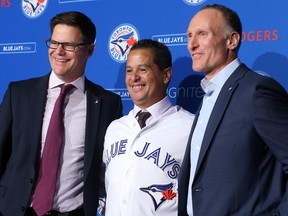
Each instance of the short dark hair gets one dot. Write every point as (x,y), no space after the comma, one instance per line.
(76,19)
(231,17)
(161,54)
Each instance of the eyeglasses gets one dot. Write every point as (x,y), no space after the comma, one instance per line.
(65,45)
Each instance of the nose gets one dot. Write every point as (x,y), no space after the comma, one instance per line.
(133,76)
(192,43)
(60,49)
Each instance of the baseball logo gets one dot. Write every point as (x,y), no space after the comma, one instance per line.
(121,40)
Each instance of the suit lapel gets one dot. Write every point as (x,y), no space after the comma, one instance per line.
(187,159)
(218,111)
(92,124)
(36,105)
(186,164)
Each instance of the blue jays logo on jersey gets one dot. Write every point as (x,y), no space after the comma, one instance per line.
(159,193)
(121,40)
(33,8)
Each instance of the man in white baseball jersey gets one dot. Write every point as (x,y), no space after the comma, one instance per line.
(142,165)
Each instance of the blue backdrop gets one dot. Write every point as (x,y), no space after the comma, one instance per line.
(25,26)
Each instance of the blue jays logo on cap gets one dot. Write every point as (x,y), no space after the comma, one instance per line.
(194,2)
(33,8)
(121,40)
(159,193)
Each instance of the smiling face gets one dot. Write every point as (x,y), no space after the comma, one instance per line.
(145,82)
(69,65)
(210,42)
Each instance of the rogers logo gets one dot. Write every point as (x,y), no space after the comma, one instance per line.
(260,35)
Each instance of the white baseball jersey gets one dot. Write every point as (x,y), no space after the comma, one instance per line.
(142,165)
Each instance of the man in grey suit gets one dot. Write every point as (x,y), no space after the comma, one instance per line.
(236,161)
(25,114)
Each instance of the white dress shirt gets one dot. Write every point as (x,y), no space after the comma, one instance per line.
(69,187)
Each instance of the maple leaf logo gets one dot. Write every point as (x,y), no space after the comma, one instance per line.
(131,41)
(169,194)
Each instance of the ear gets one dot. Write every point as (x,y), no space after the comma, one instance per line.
(233,40)
(91,49)
(167,75)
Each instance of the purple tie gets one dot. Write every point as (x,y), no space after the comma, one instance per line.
(142,117)
(45,188)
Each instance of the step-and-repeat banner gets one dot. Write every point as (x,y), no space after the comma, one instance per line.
(25,26)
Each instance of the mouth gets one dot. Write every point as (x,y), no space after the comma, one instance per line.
(61,60)
(137,87)
(196,54)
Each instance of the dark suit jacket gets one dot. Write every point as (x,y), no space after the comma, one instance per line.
(243,162)
(21,117)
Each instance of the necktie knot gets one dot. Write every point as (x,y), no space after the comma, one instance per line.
(142,117)
(65,89)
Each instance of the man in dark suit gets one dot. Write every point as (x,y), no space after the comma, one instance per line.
(25,114)
(236,161)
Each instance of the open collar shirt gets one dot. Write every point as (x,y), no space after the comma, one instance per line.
(212,89)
